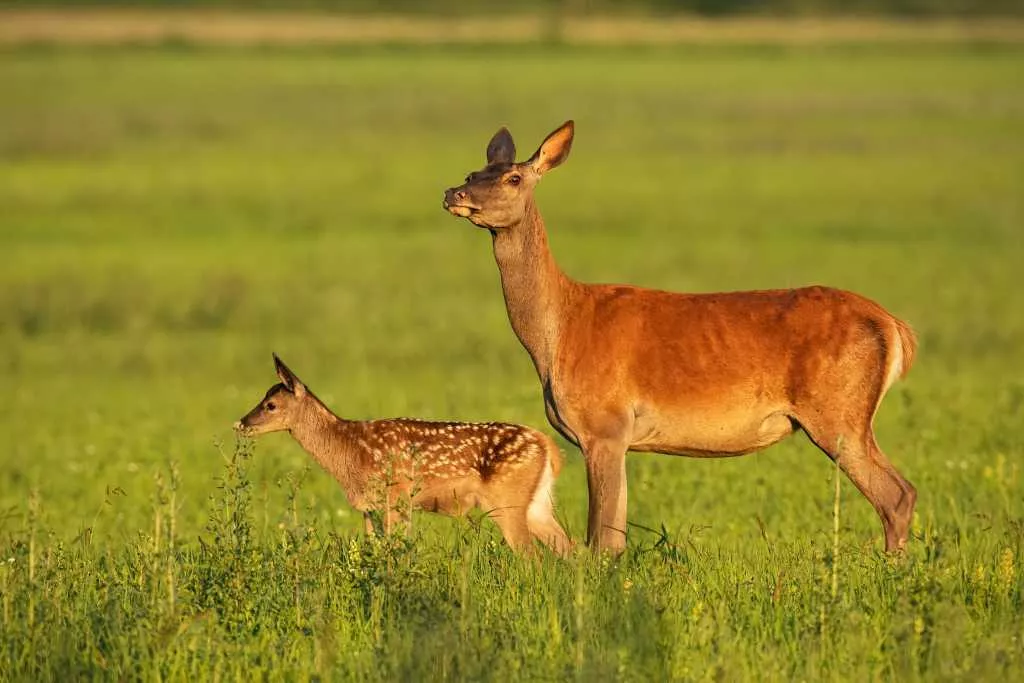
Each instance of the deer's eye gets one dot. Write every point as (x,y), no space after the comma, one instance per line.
(514,179)
(271,407)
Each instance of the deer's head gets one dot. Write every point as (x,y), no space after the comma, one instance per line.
(281,408)
(496,196)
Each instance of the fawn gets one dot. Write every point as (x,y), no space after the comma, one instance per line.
(448,467)
(626,368)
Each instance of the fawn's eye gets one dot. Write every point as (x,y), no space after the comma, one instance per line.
(271,407)
(514,179)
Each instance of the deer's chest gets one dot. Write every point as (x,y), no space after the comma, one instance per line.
(554,407)
(582,416)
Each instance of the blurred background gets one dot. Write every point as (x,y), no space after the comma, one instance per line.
(599,7)
(188,186)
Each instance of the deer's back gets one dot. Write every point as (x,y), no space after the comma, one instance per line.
(709,349)
(447,450)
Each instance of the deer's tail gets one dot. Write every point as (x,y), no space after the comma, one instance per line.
(901,351)
(908,347)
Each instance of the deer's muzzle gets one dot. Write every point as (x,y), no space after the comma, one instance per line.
(457,202)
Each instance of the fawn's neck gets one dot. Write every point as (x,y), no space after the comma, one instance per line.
(331,441)
(535,288)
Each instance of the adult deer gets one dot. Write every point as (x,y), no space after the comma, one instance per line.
(710,375)
(446,467)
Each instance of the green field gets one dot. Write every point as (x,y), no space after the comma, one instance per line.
(169,216)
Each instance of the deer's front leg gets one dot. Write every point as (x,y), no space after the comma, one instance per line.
(606,481)
(397,521)
(385,522)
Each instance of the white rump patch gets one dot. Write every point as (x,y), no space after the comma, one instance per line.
(543,499)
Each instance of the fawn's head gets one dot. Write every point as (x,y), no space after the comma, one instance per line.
(280,408)
(496,196)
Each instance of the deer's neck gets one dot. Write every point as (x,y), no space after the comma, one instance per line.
(331,441)
(535,288)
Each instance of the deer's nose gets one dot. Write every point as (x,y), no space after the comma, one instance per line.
(454,196)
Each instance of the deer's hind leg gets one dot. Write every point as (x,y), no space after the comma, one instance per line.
(838,415)
(860,458)
(540,514)
(540,519)
(505,502)
(845,434)
(511,519)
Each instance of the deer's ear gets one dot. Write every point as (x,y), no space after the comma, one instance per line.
(288,378)
(501,149)
(554,150)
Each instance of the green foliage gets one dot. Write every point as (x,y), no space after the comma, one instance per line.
(458,606)
(170,216)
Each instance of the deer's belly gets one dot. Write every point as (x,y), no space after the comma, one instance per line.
(710,433)
(454,497)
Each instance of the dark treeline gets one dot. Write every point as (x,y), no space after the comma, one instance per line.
(899,8)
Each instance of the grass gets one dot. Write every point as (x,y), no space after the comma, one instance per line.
(171,215)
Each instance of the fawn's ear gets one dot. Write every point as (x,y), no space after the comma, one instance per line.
(554,150)
(501,149)
(288,378)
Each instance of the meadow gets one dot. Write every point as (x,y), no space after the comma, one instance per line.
(170,215)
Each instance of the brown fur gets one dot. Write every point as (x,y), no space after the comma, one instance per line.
(908,342)
(625,368)
(446,467)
